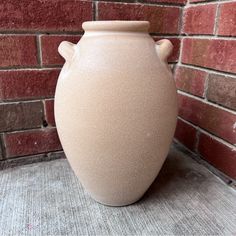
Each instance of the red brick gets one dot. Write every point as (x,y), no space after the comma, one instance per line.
(17,116)
(44,15)
(227,19)
(218,154)
(186,134)
(217,54)
(162,19)
(27,84)
(190,80)
(49,112)
(213,119)
(222,90)
(31,142)
(49,44)
(1,151)
(177,2)
(18,51)
(176,43)
(194,19)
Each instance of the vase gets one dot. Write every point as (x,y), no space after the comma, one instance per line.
(116,109)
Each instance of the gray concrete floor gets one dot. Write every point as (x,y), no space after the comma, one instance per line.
(47,199)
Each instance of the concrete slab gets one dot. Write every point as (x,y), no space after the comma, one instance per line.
(47,199)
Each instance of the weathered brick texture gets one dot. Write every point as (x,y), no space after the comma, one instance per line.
(207,69)
(16,116)
(213,119)
(218,154)
(31,142)
(18,51)
(190,80)
(162,19)
(222,90)
(27,84)
(50,55)
(186,134)
(42,15)
(218,54)
(199,19)
(227,19)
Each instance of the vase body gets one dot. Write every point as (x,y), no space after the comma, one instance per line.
(116,109)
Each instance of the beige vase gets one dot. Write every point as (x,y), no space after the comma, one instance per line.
(116,109)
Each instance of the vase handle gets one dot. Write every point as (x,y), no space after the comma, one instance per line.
(66,50)
(164,49)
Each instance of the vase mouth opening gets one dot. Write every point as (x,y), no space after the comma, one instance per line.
(116,25)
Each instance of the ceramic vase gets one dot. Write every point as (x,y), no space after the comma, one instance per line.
(116,109)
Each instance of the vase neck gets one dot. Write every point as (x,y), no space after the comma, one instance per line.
(116,26)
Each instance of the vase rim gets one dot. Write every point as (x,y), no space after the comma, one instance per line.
(116,25)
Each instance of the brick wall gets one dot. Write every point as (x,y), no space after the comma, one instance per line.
(205,71)
(206,78)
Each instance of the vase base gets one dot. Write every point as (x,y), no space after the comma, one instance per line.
(117,204)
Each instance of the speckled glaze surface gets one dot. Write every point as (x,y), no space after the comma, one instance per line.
(116,109)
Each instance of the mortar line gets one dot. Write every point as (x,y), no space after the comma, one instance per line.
(96,11)
(44,114)
(209,2)
(197,141)
(26,130)
(206,102)
(201,130)
(201,36)
(2,146)
(209,70)
(24,100)
(180,51)
(206,87)
(39,50)
(49,33)
(181,20)
(210,36)
(15,68)
(216,19)
(145,3)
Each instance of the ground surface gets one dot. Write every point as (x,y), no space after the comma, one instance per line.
(47,199)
